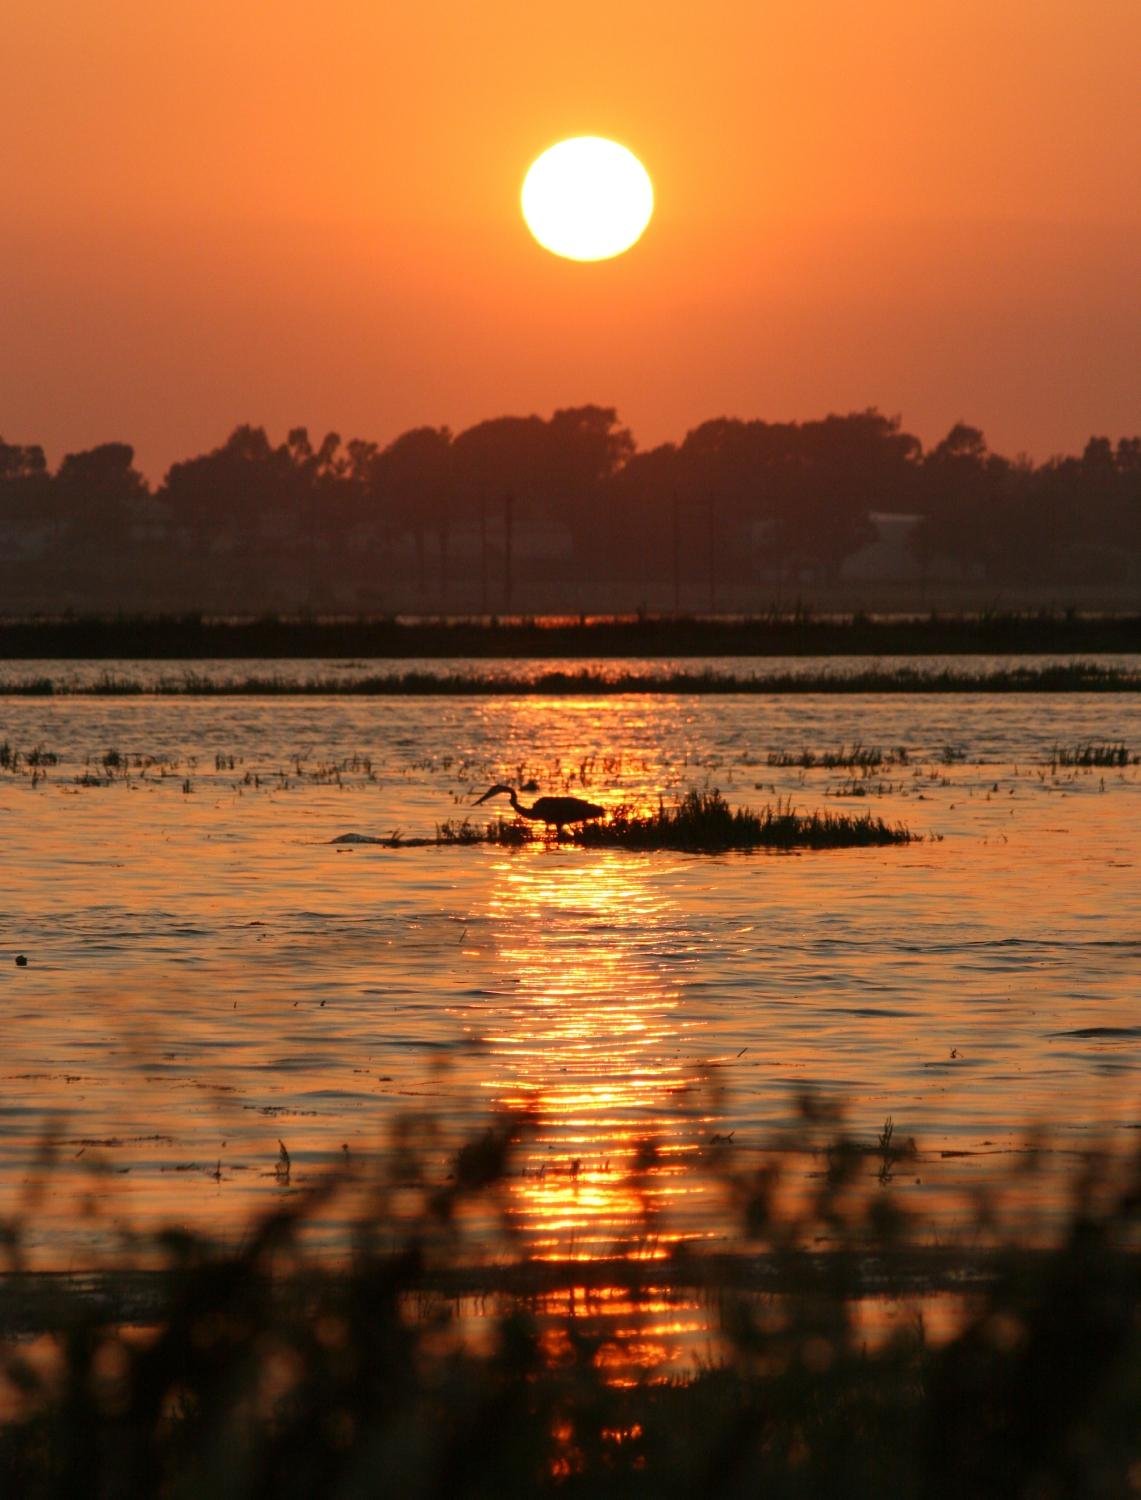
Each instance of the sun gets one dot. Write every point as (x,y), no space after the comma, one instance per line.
(587,198)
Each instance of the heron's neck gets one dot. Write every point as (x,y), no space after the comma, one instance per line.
(514,800)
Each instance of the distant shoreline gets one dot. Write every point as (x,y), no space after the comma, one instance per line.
(173,638)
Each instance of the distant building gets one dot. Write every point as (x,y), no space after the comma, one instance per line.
(532,540)
(890,557)
(23,540)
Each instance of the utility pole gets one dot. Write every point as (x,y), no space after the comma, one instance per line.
(677,555)
(483,555)
(312,509)
(712,557)
(508,522)
(444,527)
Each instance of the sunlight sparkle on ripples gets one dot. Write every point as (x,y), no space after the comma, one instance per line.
(592,1049)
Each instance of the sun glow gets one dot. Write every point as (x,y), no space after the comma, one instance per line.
(587,198)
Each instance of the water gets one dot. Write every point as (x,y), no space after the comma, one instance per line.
(210,976)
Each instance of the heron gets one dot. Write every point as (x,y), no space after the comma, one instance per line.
(555,812)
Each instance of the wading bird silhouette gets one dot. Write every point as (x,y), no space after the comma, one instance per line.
(556,812)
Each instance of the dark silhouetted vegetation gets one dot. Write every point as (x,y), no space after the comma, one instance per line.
(436,520)
(494,831)
(1073,677)
(796,633)
(1091,755)
(858,758)
(704,822)
(701,823)
(263,1371)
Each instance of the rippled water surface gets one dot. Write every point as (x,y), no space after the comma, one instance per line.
(209,976)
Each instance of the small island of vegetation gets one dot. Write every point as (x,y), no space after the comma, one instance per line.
(701,823)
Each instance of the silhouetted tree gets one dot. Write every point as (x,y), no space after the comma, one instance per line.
(20,463)
(848,466)
(24,482)
(96,494)
(222,495)
(736,501)
(413,480)
(1076,522)
(961,486)
(634,514)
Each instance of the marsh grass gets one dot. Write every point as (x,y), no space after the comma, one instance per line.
(262,1371)
(33,763)
(704,822)
(117,766)
(510,835)
(1092,754)
(462,832)
(1068,677)
(859,757)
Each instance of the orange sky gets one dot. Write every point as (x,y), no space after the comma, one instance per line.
(284,212)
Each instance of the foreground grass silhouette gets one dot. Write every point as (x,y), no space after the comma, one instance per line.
(263,1372)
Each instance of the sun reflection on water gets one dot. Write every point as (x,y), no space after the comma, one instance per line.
(595,1047)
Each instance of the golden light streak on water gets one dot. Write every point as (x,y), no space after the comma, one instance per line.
(593,1049)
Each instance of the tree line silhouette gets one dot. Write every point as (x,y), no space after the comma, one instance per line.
(572,496)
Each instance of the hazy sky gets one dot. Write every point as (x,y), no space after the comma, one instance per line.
(219,211)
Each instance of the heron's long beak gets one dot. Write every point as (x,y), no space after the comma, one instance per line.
(485,796)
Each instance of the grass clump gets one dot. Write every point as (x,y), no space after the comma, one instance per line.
(20,762)
(858,758)
(701,823)
(1092,754)
(497,831)
(704,822)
